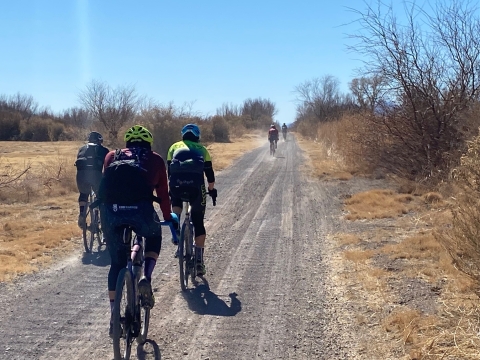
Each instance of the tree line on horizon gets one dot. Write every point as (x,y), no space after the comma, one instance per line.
(111,110)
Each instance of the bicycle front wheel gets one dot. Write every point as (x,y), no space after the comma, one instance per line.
(123,316)
(145,321)
(183,259)
(88,232)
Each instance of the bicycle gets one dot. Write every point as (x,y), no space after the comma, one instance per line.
(272,147)
(130,318)
(91,227)
(186,250)
(284,136)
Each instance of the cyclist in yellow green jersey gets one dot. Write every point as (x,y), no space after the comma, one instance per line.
(188,161)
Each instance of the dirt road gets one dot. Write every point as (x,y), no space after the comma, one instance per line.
(270,294)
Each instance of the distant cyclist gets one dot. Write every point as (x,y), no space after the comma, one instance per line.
(188,161)
(284,131)
(126,194)
(89,165)
(273,135)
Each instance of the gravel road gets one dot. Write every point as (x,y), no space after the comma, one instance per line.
(269,293)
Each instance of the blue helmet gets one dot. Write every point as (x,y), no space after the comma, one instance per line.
(191,128)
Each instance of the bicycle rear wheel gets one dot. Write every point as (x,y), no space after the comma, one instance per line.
(97,229)
(123,316)
(88,230)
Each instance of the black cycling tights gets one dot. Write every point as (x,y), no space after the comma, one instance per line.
(197,220)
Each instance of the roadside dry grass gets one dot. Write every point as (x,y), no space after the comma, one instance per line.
(408,299)
(38,212)
(224,154)
(324,162)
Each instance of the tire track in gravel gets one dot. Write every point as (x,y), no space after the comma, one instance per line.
(268,274)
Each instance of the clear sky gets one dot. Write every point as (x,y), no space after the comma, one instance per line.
(208,52)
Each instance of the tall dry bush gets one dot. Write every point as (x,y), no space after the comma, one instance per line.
(353,139)
(9,125)
(463,241)
(220,130)
(38,129)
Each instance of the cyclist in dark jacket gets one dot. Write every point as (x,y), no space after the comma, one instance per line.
(134,206)
(89,165)
(188,162)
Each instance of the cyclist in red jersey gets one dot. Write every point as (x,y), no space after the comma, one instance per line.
(139,211)
(273,134)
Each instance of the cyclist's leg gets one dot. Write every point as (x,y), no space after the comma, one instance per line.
(84,190)
(118,258)
(152,232)
(177,206)
(198,203)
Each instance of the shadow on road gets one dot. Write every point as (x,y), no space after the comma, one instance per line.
(97,258)
(149,350)
(205,302)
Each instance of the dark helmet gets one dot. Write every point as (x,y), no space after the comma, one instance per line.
(95,137)
(191,129)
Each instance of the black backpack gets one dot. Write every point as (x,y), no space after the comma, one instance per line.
(186,168)
(88,158)
(125,180)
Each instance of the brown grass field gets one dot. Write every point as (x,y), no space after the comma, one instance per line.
(38,212)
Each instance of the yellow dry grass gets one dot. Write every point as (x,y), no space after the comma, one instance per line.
(38,214)
(324,162)
(224,154)
(377,204)
(19,154)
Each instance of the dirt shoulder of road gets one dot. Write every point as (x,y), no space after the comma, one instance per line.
(402,293)
(38,215)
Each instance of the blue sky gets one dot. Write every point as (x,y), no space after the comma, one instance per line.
(207,52)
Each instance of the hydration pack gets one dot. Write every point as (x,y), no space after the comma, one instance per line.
(186,168)
(88,158)
(125,180)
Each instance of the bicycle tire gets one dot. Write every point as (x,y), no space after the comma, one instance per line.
(88,234)
(145,322)
(98,229)
(122,325)
(193,255)
(183,260)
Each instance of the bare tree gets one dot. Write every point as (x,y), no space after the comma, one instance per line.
(367,91)
(22,104)
(112,107)
(229,110)
(77,117)
(431,69)
(321,99)
(258,112)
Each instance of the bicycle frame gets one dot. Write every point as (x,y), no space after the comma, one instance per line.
(135,326)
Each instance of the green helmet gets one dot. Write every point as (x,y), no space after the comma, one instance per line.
(138,133)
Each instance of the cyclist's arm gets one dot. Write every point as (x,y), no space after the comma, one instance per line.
(161,188)
(208,169)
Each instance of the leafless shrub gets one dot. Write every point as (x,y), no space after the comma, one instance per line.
(9,176)
(431,76)
(112,107)
(463,240)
